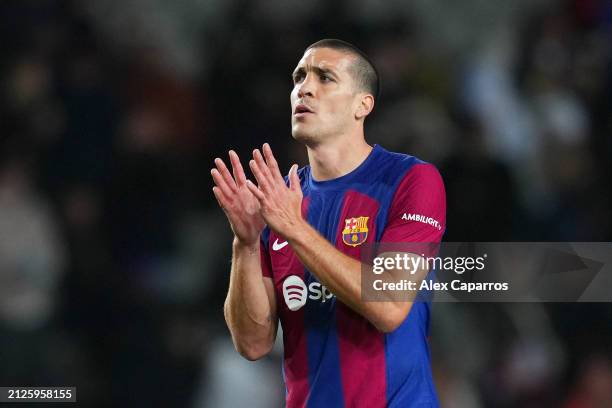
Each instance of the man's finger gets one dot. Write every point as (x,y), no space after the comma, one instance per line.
(263,167)
(220,182)
(221,199)
(294,180)
(237,169)
(272,163)
(262,181)
(256,191)
(226,174)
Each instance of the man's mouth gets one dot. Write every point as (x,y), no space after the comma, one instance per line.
(301,110)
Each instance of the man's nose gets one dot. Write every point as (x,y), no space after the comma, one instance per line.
(306,88)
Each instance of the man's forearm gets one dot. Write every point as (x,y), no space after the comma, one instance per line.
(341,274)
(249,312)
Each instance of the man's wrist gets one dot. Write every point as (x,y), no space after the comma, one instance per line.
(249,247)
(300,234)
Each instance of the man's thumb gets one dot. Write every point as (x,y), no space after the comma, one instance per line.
(294,180)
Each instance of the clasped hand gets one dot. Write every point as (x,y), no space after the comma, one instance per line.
(247,206)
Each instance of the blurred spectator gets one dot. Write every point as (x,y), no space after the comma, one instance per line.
(593,386)
(32,256)
(31,251)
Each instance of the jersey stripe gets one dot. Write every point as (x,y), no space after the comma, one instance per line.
(406,380)
(362,351)
(295,365)
(322,337)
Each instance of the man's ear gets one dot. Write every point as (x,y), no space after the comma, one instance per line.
(366,104)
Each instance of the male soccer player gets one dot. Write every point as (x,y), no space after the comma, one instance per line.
(296,251)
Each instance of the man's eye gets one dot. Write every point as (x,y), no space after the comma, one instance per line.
(326,78)
(298,78)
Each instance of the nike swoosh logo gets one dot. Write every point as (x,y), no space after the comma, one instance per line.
(277,247)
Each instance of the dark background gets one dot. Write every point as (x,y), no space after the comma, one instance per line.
(114,256)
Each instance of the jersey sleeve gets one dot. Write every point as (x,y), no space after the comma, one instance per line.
(266,264)
(418,209)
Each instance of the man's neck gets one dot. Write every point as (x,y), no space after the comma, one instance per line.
(336,158)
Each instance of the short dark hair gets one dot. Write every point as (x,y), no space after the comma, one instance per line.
(364,70)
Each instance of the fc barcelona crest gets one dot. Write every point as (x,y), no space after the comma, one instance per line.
(355,231)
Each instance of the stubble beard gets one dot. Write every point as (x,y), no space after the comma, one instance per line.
(308,138)
(318,133)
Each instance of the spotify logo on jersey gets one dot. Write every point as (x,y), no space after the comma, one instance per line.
(296,293)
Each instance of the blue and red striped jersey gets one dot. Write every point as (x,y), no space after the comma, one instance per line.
(334,357)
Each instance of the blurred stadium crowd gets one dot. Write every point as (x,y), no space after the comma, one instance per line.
(114,256)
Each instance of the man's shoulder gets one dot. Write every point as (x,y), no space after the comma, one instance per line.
(391,158)
(392,167)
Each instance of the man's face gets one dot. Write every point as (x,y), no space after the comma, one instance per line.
(324,97)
